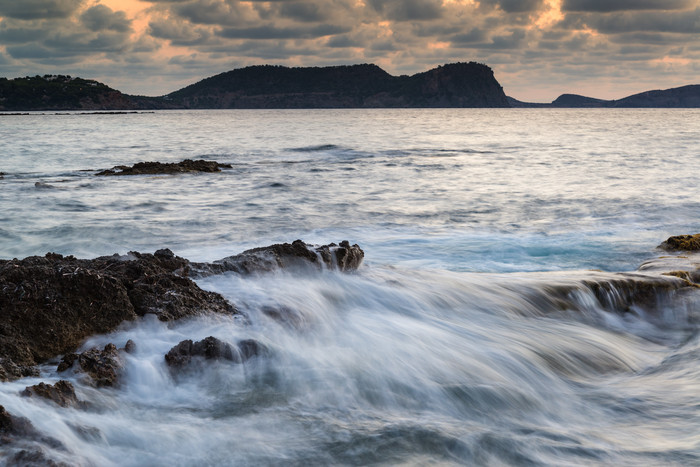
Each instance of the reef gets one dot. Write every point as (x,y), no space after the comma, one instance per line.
(164,168)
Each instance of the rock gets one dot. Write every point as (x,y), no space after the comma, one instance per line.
(103,366)
(156,168)
(212,348)
(286,255)
(62,393)
(130,347)
(682,243)
(18,433)
(51,304)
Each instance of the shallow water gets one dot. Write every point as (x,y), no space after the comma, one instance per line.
(469,336)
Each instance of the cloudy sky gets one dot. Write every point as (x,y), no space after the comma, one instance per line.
(537,48)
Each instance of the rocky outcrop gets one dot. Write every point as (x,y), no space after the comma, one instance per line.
(211,348)
(300,255)
(682,243)
(51,304)
(159,168)
(61,393)
(102,366)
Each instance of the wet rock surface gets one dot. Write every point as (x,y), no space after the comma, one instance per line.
(211,348)
(344,257)
(62,393)
(24,442)
(51,304)
(158,168)
(102,366)
(682,243)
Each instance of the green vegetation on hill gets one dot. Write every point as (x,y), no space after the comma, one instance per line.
(59,92)
(452,85)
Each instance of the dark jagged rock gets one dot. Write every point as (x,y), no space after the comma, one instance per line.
(102,366)
(62,393)
(682,243)
(212,348)
(159,168)
(51,304)
(297,254)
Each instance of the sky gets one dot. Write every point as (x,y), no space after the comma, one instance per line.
(538,49)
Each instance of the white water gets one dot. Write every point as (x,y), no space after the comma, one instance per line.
(444,348)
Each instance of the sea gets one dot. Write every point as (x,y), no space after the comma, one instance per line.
(475,331)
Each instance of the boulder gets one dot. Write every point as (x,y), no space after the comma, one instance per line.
(157,168)
(300,255)
(682,243)
(212,348)
(62,393)
(102,366)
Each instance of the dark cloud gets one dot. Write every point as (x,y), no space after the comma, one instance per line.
(38,9)
(605,6)
(513,6)
(408,10)
(100,17)
(214,12)
(473,36)
(272,32)
(179,32)
(303,11)
(685,22)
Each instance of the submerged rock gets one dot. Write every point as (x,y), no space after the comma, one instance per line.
(156,168)
(212,348)
(682,243)
(24,442)
(344,257)
(51,304)
(62,393)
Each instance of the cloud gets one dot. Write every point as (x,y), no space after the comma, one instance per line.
(272,32)
(686,22)
(605,6)
(38,9)
(100,17)
(514,6)
(408,10)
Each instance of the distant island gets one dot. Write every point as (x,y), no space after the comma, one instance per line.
(683,97)
(272,87)
(278,87)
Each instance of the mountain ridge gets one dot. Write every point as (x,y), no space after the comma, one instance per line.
(267,86)
(683,97)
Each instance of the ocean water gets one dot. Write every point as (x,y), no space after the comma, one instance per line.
(472,333)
